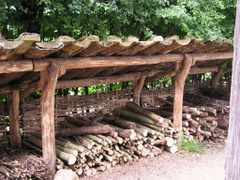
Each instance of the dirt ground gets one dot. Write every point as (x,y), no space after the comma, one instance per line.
(181,166)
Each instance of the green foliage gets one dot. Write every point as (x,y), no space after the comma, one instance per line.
(190,145)
(3,99)
(205,19)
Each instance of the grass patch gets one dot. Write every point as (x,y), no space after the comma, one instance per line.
(190,145)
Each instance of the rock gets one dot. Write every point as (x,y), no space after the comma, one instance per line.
(66,174)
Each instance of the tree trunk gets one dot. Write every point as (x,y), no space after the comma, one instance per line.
(232,166)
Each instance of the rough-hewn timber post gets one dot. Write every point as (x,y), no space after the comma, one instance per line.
(217,77)
(15,136)
(181,75)
(232,166)
(138,86)
(48,83)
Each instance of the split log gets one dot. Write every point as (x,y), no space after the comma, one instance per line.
(137,109)
(67,144)
(69,158)
(96,129)
(135,117)
(120,122)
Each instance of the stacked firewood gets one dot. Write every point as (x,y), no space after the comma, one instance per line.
(89,145)
(127,134)
(201,122)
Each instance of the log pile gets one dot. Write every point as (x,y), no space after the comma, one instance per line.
(203,122)
(91,145)
(127,134)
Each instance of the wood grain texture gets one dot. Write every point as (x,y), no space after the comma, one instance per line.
(49,81)
(137,90)
(181,76)
(15,136)
(102,62)
(232,166)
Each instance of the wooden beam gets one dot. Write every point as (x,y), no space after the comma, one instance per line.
(98,80)
(137,89)
(48,83)
(16,66)
(181,75)
(102,62)
(27,89)
(232,164)
(211,56)
(193,70)
(15,135)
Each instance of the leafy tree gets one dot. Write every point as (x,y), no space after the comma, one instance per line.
(206,19)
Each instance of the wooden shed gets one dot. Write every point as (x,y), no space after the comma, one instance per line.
(28,65)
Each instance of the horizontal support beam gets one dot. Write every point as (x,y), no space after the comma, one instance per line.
(193,70)
(152,75)
(103,62)
(16,66)
(98,80)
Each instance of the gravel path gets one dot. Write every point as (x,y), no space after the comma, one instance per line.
(207,166)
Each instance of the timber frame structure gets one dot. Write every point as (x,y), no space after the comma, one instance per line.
(27,65)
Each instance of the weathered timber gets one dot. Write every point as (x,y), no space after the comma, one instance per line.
(217,77)
(97,62)
(138,109)
(232,164)
(15,136)
(179,90)
(135,117)
(98,80)
(137,89)
(70,159)
(120,122)
(48,81)
(95,129)
(27,89)
(193,70)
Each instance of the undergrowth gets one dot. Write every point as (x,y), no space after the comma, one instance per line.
(190,145)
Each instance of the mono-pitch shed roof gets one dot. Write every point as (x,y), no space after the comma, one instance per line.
(21,59)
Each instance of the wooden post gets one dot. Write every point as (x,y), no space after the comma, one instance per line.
(217,77)
(138,86)
(181,75)
(48,83)
(232,165)
(15,136)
